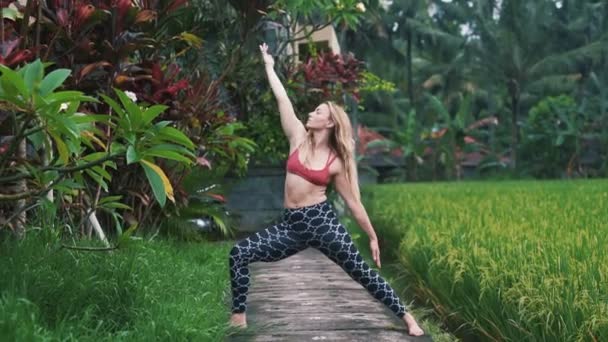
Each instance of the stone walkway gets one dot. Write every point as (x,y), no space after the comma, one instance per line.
(306,297)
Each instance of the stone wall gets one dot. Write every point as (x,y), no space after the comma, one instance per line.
(258,198)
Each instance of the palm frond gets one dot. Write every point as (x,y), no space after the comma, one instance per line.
(570,60)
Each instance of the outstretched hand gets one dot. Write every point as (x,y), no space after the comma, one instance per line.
(375,250)
(268,60)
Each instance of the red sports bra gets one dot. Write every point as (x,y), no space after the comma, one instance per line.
(318,177)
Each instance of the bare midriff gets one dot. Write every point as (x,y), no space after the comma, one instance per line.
(301,193)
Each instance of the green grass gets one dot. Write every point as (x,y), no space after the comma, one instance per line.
(390,272)
(508,261)
(150,290)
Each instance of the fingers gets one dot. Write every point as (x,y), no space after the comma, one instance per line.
(264,47)
(376,257)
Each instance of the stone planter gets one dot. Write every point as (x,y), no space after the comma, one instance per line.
(257,198)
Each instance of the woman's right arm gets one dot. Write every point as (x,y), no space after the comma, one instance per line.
(292,126)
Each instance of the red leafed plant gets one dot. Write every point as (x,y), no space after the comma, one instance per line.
(128,45)
(328,76)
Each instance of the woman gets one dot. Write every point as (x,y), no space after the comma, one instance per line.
(320,151)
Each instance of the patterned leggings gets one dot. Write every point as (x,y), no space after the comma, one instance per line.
(312,226)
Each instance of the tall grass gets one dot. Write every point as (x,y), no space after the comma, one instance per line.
(151,290)
(513,261)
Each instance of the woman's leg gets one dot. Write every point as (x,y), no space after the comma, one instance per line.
(271,244)
(332,239)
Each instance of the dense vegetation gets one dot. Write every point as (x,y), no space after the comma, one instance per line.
(509,261)
(124,120)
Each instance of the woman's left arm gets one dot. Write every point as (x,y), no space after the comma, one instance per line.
(356,207)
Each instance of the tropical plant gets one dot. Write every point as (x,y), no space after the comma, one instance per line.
(554,136)
(50,120)
(513,54)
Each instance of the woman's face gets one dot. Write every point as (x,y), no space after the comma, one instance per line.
(320,118)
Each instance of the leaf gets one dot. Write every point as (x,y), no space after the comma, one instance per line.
(102,172)
(132,155)
(97,178)
(191,39)
(116,107)
(112,202)
(176,136)
(117,205)
(90,67)
(172,147)
(81,118)
(68,96)
(440,108)
(94,156)
(33,74)
(379,143)
(110,199)
(68,185)
(124,237)
(53,80)
(11,13)
(158,180)
(37,138)
(15,81)
(162,124)
(168,155)
(61,148)
(134,112)
(145,16)
(88,135)
(152,112)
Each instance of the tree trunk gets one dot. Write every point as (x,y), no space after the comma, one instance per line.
(94,223)
(513,86)
(410,79)
(21,188)
(47,156)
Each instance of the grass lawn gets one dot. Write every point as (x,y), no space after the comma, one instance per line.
(150,290)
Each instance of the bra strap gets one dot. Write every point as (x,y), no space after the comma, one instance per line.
(332,159)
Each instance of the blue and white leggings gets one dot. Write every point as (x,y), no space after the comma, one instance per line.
(312,226)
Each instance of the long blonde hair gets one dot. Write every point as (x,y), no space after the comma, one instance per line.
(342,142)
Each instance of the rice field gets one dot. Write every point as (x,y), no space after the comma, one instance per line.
(505,261)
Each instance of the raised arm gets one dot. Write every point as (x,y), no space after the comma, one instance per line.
(292,126)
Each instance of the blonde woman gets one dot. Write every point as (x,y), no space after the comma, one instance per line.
(320,151)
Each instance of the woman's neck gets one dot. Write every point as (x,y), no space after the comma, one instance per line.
(320,140)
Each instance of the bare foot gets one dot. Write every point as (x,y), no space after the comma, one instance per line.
(238,320)
(412,326)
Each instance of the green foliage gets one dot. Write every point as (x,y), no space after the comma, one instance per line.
(155,51)
(229,143)
(343,12)
(145,140)
(552,135)
(265,129)
(371,82)
(46,116)
(508,55)
(151,290)
(405,136)
(51,121)
(511,261)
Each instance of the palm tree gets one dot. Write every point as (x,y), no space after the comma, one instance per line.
(516,50)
